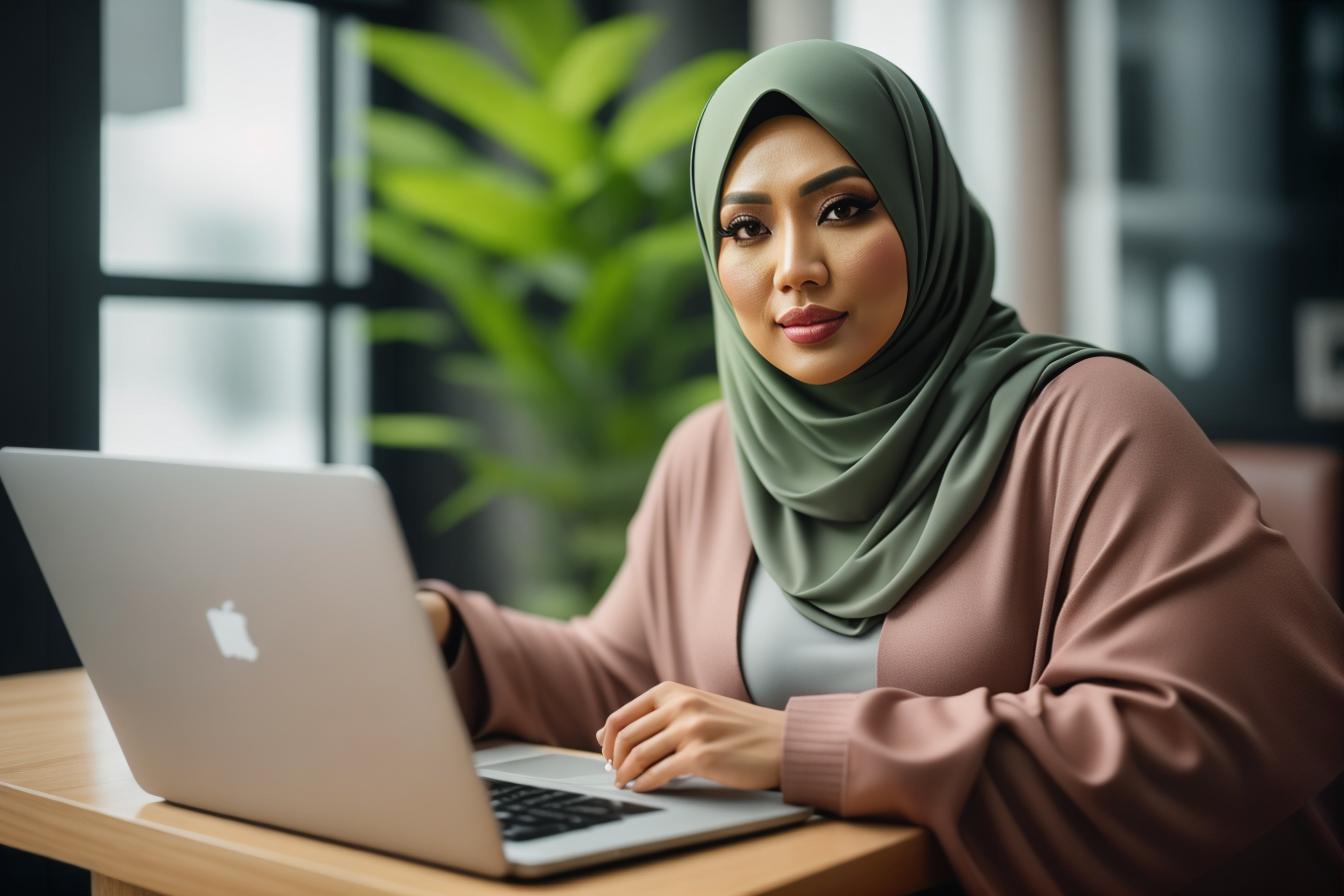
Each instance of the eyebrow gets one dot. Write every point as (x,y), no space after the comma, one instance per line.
(815,183)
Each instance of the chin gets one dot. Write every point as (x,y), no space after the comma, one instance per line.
(815,374)
(816,367)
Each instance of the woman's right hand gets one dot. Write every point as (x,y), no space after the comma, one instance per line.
(436,607)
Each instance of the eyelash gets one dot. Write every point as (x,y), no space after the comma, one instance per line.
(860,205)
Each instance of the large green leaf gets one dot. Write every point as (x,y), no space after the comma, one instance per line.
(535,31)
(473,87)
(460,273)
(580,182)
(415,325)
(598,543)
(478,492)
(556,482)
(487,206)
(668,355)
(491,378)
(620,480)
(563,275)
(596,326)
(599,62)
(450,267)
(636,425)
(664,116)
(675,403)
(423,431)
(609,217)
(399,139)
(663,310)
(474,370)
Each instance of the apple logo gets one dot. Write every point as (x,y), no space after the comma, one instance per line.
(230,630)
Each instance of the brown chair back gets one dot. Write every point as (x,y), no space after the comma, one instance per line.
(1300,495)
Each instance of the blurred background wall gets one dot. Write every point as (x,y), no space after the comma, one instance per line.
(185,271)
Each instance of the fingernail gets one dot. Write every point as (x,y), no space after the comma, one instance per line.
(599,734)
(609,768)
(630,785)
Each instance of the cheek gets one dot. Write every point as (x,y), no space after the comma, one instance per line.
(745,280)
(877,267)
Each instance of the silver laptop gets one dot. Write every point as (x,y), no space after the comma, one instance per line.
(253,636)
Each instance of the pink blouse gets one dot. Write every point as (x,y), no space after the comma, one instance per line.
(1116,679)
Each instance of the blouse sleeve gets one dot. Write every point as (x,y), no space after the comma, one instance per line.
(546,681)
(1193,695)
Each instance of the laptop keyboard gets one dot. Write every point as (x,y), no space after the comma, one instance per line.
(526,812)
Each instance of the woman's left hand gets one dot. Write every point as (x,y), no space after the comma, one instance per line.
(673,729)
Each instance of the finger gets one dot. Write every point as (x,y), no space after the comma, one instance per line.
(641,705)
(641,744)
(681,762)
(638,731)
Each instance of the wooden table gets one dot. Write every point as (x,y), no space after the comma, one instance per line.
(66,793)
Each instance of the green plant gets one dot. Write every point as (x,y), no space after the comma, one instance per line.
(566,262)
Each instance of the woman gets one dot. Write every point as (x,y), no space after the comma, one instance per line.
(922,565)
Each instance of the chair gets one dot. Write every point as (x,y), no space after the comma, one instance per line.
(1300,495)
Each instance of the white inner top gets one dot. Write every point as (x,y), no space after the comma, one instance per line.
(785,654)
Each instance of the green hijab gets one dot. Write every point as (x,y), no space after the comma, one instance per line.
(853,489)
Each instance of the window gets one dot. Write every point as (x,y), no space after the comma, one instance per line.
(233,278)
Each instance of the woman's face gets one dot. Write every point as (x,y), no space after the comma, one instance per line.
(809,244)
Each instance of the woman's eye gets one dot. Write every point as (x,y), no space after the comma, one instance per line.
(847,209)
(742,229)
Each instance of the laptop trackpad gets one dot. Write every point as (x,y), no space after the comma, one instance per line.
(555,766)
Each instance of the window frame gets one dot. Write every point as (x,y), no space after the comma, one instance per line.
(50,339)
(326,293)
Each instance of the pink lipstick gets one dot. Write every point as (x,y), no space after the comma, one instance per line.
(811,323)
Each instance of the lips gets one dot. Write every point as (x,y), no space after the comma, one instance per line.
(808,314)
(811,323)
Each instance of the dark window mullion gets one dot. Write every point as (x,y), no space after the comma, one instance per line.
(326,141)
(163,287)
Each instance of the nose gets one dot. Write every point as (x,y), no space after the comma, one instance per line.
(800,265)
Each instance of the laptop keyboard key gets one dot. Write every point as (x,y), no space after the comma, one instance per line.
(532,832)
(593,810)
(564,798)
(527,818)
(596,805)
(554,815)
(555,798)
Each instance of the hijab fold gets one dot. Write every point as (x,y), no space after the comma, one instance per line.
(853,489)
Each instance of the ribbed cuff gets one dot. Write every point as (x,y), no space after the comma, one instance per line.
(816,750)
